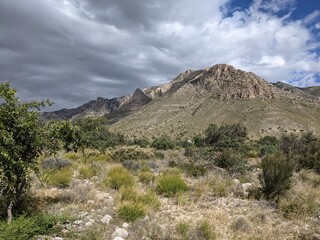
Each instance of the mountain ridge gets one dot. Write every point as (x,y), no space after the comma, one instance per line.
(222,85)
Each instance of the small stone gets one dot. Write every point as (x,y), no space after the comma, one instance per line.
(88,224)
(106,219)
(236,182)
(90,202)
(78,222)
(118,238)
(83,214)
(125,225)
(120,232)
(58,238)
(146,218)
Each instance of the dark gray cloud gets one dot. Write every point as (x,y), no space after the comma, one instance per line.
(73,51)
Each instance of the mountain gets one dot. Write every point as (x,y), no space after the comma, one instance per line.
(113,109)
(194,99)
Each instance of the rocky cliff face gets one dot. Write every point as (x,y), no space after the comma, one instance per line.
(221,82)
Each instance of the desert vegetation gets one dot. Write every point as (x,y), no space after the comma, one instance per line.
(78,180)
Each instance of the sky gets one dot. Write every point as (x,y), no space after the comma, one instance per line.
(72,51)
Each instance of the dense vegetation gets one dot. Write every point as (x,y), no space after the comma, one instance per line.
(31,148)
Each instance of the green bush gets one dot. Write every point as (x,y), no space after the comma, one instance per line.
(146,177)
(183,229)
(22,228)
(58,178)
(87,171)
(267,145)
(277,170)
(169,185)
(203,231)
(119,177)
(225,136)
(130,153)
(142,142)
(131,211)
(25,228)
(232,160)
(163,142)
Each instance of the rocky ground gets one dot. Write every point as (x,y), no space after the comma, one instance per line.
(216,198)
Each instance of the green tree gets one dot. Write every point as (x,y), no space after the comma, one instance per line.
(20,144)
(225,136)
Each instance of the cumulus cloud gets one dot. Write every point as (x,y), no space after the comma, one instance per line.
(75,50)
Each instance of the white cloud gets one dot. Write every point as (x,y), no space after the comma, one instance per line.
(91,45)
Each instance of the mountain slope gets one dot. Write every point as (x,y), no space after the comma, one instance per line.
(194,99)
(222,94)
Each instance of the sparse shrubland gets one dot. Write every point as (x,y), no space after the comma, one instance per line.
(81,169)
(171,184)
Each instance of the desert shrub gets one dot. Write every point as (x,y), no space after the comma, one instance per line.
(131,211)
(132,165)
(232,160)
(203,231)
(299,205)
(58,178)
(22,228)
(289,142)
(25,228)
(148,199)
(169,185)
(87,171)
(183,229)
(241,224)
(277,170)
(130,153)
(196,153)
(146,177)
(71,155)
(225,136)
(163,143)
(220,186)
(119,177)
(267,145)
(310,177)
(159,155)
(194,170)
(199,141)
(55,163)
(142,142)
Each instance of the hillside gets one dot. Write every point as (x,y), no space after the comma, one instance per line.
(194,99)
(223,94)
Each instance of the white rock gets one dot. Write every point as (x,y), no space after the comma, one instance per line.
(125,225)
(118,238)
(88,224)
(247,186)
(58,238)
(236,182)
(90,202)
(78,222)
(106,219)
(120,232)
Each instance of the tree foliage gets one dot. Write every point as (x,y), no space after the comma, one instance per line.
(20,143)
(224,136)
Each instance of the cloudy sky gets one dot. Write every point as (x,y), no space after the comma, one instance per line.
(73,51)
